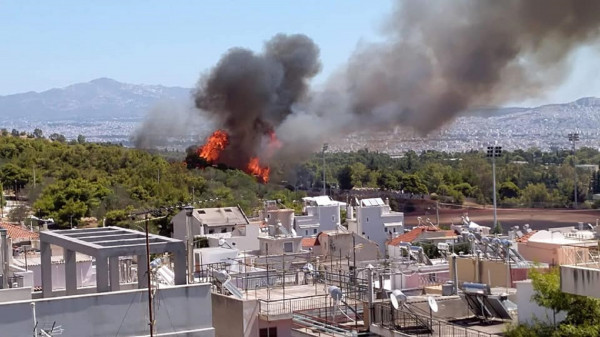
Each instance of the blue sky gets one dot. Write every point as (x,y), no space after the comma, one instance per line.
(49,44)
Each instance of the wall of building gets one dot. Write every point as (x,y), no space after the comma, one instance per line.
(319,218)
(15,294)
(529,312)
(580,280)
(539,252)
(276,245)
(234,317)
(85,275)
(342,242)
(493,273)
(329,217)
(123,313)
(246,242)
(371,225)
(179,230)
(283,326)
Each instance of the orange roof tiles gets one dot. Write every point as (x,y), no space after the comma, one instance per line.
(310,242)
(18,233)
(416,232)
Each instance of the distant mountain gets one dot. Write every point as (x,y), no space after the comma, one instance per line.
(102,98)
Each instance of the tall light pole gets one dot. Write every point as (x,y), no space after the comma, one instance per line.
(494,151)
(325,147)
(574,137)
(189,242)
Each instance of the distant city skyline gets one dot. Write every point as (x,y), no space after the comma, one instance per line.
(53,45)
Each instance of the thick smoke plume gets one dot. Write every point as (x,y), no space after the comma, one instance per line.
(437,59)
(250,94)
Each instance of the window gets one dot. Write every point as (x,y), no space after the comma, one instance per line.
(224,230)
(314,231)
(268,332)
(394,229)
(228,210)
(306,232)
(202,211)
(288,247)
(333,218)
(211,231)
(367,219)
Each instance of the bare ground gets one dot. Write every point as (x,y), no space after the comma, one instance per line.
(537,218)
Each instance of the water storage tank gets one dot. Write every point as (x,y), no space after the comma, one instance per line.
(447,288)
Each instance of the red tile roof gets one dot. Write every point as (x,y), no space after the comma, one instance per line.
(310,242)
(16,232)
(525,237)
(416,232)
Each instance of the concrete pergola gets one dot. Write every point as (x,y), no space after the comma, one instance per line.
(106,245)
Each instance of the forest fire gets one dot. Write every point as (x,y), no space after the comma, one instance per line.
(218,142)
(261,172)
(215,144)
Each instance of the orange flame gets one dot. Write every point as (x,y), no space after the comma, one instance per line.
(215,144)
(261,172)
(219,140)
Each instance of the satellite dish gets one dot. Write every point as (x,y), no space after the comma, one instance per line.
(335,293)
(309,267)
(432,304)
(397,298)
(221,242)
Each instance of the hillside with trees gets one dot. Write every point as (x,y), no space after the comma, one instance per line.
(70,180)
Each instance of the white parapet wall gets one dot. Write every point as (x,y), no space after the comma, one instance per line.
(183,310)
(580,280)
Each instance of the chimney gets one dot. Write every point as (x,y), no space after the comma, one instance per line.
(387,201)
(350,212)
(5,257)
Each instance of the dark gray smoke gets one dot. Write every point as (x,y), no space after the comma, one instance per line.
(442,57)
(250,94)
(438,59)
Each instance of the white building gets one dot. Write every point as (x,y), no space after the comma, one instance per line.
(208,221)
(320,214)
(242,237)
(376,221)
(281,238)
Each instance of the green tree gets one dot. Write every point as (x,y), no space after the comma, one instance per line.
(58,137)
(18,214)
(13,175)
(508,190)
(80,139)
(582,313)
(37,133)
(345,178)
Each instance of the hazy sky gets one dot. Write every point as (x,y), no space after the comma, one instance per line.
(47,44)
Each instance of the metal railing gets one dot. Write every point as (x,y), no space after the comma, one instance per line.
(414,324)
(297,304)
(290,305)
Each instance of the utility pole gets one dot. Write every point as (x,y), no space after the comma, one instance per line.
(189,242)
(494,151)
(150,311)
(325,147)
(574,137)
(1,201)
